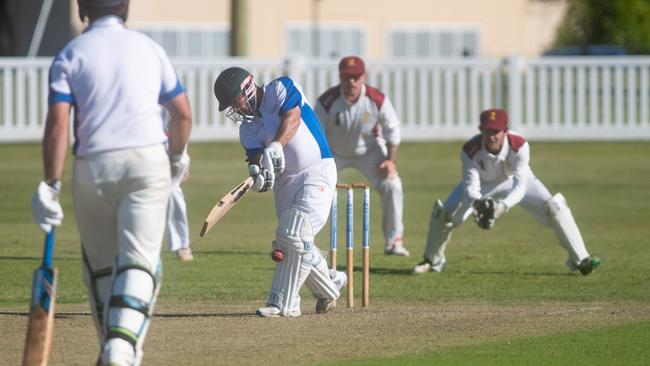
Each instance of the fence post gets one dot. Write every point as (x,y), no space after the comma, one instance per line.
(293,68)
(515,67)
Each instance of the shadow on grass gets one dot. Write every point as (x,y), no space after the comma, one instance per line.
(56,258)
(73,314)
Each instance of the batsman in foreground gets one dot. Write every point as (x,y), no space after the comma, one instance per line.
(116,79)
(496,177)
(364,132)
(287,152)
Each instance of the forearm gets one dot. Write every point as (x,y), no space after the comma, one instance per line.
(392,152)
(180,123)
(55,141)
(518,190)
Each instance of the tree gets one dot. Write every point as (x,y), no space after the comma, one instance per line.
(622,22)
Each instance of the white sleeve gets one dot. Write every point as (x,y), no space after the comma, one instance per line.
(520,174)
(321,114)
(59,88)
(471,179)
(171,85)
(389,123)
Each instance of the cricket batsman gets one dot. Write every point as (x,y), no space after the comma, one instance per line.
(287,151)
(116,80)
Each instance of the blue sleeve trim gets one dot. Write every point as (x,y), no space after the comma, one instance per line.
(166,97)
(56,97)
(251,153)
(293,98)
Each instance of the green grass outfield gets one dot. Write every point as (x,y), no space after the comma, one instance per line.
(516,267)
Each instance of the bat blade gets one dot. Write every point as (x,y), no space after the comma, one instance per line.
(41,313)
(225,204)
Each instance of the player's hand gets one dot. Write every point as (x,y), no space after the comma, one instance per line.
(263,179)
(390,168)
(487,211)
(46,208)
(273,158)
(177,165)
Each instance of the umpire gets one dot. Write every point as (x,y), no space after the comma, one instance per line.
(116,79)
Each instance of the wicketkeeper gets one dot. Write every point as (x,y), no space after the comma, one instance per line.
(496,177)
(287,152)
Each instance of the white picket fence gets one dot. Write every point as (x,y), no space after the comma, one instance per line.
(554,98)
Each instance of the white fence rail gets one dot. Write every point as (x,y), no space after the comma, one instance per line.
(549,98)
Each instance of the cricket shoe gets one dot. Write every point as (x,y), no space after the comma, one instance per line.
(340,279)
(274,312)
(397,248)
(184,254)
(588,265)
(426,266)
(116,352)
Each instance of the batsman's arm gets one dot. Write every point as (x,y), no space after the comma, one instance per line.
(180,123)
(288,126)
(55,140)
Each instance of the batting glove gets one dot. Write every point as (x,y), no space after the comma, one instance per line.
(177,165)
(263,179)
(46,208)
(273,158)
(180,167)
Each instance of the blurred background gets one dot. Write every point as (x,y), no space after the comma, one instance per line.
(564,69)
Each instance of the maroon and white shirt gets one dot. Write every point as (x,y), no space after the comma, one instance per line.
(351,129)
(481,167)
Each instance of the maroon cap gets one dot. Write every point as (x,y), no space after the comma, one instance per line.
(494,119)
(352,65)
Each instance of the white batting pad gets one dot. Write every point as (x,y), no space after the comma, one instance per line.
(289,276)
(294,227)
(319,281)
(98,285)
(566,229)
(440,226)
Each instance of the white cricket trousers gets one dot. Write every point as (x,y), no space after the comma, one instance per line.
(309,191)
(178,233)
(120,200)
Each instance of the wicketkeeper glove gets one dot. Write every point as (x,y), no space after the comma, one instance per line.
(46,208)
(487,211)
(273,158)
(263,179)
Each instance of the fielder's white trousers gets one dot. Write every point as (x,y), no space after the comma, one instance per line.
(178,232)
(390,190)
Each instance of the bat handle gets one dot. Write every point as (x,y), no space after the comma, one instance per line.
(49,248)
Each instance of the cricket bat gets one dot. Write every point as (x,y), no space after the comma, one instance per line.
(225,204)
(41,312)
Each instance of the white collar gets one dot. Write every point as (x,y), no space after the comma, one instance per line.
(107,21)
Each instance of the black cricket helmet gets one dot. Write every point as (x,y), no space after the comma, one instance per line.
(230,84)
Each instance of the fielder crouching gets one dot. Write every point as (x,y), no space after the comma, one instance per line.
(287,152)
(496,177)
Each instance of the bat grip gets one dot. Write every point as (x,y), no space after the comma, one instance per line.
(49,248)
